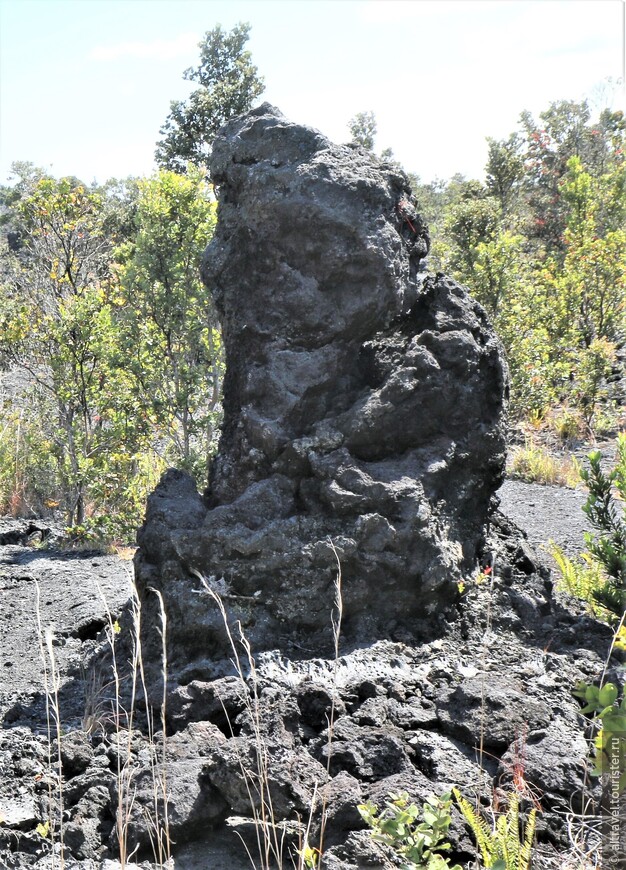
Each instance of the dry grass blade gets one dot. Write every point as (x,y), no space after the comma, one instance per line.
(336,621)
(160,824)
(53,717)
(270,831)
(270,841)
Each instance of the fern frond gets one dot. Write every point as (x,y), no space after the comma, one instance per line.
(510,833)
(482,834)
(502,847)
(529,835)
(581,578)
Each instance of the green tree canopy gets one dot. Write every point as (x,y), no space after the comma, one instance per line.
(505,171)
(542,247)
(172,335)
(363,129)
(563,131)
(229,85)
(59,325)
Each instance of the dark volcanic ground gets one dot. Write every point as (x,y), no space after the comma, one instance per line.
(75,593)
(547,513)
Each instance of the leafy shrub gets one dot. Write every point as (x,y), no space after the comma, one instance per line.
(116,484)
(581,577)
(606,509)
(27,473)
(566,422)
(418,844)
(610,742)
(609,418)
(593,366)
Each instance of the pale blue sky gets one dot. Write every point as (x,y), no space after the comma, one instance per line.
(86,84)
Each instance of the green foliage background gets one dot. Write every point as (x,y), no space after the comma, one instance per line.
(107,317)
(542,245)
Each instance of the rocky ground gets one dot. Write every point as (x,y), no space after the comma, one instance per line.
(547,513)
(77,594)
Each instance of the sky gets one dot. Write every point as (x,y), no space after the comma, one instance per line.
(85,85)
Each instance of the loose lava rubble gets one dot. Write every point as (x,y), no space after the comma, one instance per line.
(364,436)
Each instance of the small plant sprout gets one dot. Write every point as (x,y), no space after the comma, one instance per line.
(309,857)
(482,574)
(43,829)
(517,771)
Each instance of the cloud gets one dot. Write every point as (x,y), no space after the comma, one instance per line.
(160,49)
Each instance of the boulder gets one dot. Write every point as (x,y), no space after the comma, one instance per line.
(364,404)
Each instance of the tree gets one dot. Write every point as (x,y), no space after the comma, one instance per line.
(542,247)
(590,284)
(471,221)
(229,84)
(58,324)
(496,268)
(565,130)
(363,129)
(550,143)
(119,345)
(172,337)
(560,318)
(118,209)
(504,171)
(26,176)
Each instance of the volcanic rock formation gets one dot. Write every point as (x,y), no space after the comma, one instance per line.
(363,406)
(363,434)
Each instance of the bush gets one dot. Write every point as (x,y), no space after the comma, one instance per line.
(606,509)
(507,844)
(27,473)
(535,464)
(418,844)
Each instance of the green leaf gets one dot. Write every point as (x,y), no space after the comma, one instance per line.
(607,695)
(43,829)
(614,722)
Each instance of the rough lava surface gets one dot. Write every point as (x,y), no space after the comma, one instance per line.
(364,407)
